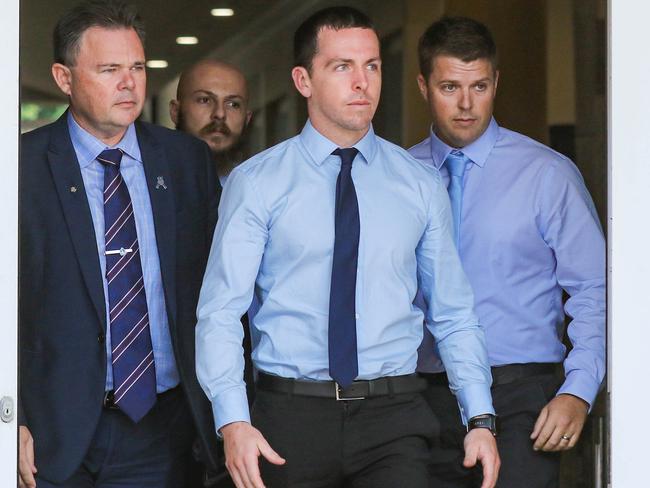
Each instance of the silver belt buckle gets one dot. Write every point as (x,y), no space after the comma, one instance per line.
(339,398)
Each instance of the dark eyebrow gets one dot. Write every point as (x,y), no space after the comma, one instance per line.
(204,92)
(455,82)
(338,60)
(351,61)
(117,65)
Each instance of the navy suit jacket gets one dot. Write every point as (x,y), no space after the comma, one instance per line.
(62,323)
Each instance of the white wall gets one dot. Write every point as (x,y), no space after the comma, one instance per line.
(9,132)
(629,244)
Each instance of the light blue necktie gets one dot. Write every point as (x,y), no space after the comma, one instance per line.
(456,162)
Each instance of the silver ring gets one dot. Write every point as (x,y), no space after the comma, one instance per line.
(566,437)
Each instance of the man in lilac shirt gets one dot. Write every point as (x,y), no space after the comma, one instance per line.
(526,232)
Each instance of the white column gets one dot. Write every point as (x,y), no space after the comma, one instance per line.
(629,241)
(9,133)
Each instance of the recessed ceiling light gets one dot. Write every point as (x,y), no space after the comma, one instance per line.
(222,12)
(157,63)
(187,40)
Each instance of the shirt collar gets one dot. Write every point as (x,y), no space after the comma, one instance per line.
(320,147)
(478,151)
(222,180)
(88,147)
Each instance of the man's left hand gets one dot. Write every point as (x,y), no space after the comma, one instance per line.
(480,446)
(560,423)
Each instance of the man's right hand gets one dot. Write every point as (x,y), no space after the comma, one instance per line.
(243,444)
(26,466)
(481,446)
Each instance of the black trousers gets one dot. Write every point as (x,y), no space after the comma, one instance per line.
(372,443)
(517,405)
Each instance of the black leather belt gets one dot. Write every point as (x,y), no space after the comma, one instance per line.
(501,375)
(109,397)
(358,390)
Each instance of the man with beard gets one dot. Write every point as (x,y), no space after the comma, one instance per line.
(212,104)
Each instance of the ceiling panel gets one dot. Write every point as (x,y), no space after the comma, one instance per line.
(165,20)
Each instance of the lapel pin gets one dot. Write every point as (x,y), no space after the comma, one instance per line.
(160,183)
(73,189)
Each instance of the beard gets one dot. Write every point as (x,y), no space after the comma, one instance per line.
(226,159)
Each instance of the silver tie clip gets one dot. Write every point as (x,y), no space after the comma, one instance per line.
(121,251)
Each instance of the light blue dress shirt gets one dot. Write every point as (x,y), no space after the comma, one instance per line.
(87,147)
(275,238)
(529,230)
(222,180)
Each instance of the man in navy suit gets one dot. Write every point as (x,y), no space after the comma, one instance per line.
(109,395)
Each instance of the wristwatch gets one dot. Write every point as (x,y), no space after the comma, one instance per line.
(487,421)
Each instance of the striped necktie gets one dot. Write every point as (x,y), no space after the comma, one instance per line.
(134,374)
(342,332)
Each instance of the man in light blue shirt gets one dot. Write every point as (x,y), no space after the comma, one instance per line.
(527,231)
(279,237)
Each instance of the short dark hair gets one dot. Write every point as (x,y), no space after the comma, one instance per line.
(109,14)
(305,40)
(459,37)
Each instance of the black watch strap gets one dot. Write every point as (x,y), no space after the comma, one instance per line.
(487,421)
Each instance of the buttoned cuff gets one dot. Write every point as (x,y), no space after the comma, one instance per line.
(582,385)
(230,406)
(474,399)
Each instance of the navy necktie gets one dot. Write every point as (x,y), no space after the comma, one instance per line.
(342,336)
(134,374)
(456,163)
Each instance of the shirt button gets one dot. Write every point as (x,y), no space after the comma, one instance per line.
(101,338)
(356,316)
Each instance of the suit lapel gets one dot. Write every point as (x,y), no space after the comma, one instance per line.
(161,188)
(72,195)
